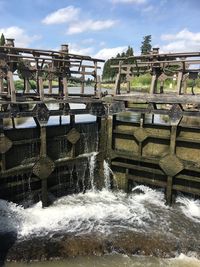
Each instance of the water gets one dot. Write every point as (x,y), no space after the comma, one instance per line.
(116,261)
(92,165)
(105,212)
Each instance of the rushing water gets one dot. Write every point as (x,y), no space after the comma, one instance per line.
(104,212)
(107,212)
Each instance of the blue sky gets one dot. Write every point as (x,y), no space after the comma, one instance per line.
(104,27)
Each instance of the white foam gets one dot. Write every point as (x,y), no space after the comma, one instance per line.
(100,211)
(190,207)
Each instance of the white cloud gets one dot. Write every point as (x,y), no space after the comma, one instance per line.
(22,39)
(129,1)
(184,40)
(185,34)
(90,25)
(76,49)
(107,53)
(62,15)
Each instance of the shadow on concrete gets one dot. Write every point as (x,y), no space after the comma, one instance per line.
(8,229)
(6,242)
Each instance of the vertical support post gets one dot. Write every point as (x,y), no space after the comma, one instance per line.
(154,82)
(114,118)
(72,124)
(3,161)
(169,190)
(95,78)
(60,87)
(41,88)
(184,82)
(27,85)
(161,87)
(72,120)
(43,146)
(65,87)
(142,119)
(98,86)
(109,131)
(83,80)
(44,193)
(172,152)
(179,82)
(1,85)
(50,87)
(173,139)
(11,86)
(13,122)
(128,87)
(43,153)
(118,80)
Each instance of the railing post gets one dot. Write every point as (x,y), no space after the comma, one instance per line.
(83,80)
(1,86)
(65,87)
(179,82)
(50,86)
(11,86)
(118,80)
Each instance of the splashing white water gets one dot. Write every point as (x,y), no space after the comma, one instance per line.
(107,173)
(190,207)
(106,169)
(143,210)
(92,165)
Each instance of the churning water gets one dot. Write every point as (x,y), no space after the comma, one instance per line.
(143,210)
(107,212)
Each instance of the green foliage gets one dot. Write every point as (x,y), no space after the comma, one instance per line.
(109,73)
(146,45)
(141,81)
(19,84)
(2,40)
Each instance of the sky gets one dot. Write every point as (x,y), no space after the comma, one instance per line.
(102,28)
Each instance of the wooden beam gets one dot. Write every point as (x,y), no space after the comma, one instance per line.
(159,98)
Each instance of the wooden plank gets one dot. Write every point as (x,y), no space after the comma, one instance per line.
(186,189)
(136,167)
(147,181)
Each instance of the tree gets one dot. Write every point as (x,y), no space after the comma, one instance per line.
(129,52)
(146,45)
(2,40)
(109,73)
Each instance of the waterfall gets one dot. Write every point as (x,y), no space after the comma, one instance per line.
(106,169)
(71,168)
(107,172)
(85,139)
(80,173)
(92,164)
